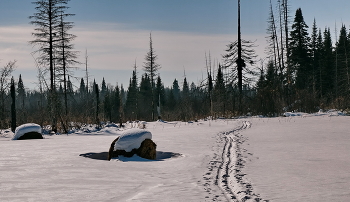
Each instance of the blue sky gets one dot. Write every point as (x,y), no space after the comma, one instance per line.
(116,33)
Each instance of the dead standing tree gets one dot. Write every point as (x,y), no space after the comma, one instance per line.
(240,62)
(151,68)
(48,38)
(240,54)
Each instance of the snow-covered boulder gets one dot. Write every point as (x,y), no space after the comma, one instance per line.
(28,131)
(133,141)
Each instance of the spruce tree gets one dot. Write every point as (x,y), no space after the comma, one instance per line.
(21,98)
(219,92)
(131,105)
(319,55)
(103,87)
(107,106)
(328,70)
(82,88)
(13,105)
(116,105)
(315,58)
(299,58)
(97,110)
(185,101)
(176,90)
(342,73)
(159,95)
(185,88)
(145,100)
(210,92)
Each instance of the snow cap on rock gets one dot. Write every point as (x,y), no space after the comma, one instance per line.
(26,128)
(132,139)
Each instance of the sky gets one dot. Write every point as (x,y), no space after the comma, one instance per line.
(115,34)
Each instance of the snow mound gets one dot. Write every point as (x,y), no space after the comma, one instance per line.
(26,128)
(334,112)
(288,114)
(132,139)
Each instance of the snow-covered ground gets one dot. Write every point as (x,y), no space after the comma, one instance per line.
(294,158)
(71,168)
(305,158)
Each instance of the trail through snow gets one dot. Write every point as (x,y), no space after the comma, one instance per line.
(225,170)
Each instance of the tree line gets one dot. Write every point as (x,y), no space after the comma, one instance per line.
(304,72)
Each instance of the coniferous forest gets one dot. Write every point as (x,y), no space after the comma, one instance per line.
(304,71)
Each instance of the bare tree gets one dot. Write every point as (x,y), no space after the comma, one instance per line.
(49,38)
(151,68)
(66,56)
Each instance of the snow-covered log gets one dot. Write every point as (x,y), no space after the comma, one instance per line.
(28,131)
(133,141)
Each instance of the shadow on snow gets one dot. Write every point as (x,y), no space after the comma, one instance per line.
(160,156)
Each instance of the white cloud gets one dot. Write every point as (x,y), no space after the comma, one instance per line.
(115,47)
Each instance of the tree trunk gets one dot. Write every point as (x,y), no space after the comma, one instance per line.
(13,106)
(240,61)
(97,105)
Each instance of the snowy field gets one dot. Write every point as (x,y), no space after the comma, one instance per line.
(300,158)
(304,158)
(73,167)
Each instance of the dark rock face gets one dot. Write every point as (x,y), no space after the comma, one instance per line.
(111,148)
(31,135)
(147,150)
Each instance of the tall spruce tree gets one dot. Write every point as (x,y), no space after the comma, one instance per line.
(176,90)
(103,88)
(319,55)
(219,93)
(315,57)
(299,58)
(185,101)
(13,105)
(342,73)
(82,88)
(145,100)
(97,110)
(21,100)
(328,72)
(131,105)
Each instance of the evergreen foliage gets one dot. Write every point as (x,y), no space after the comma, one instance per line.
(131,105)
(299,58)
